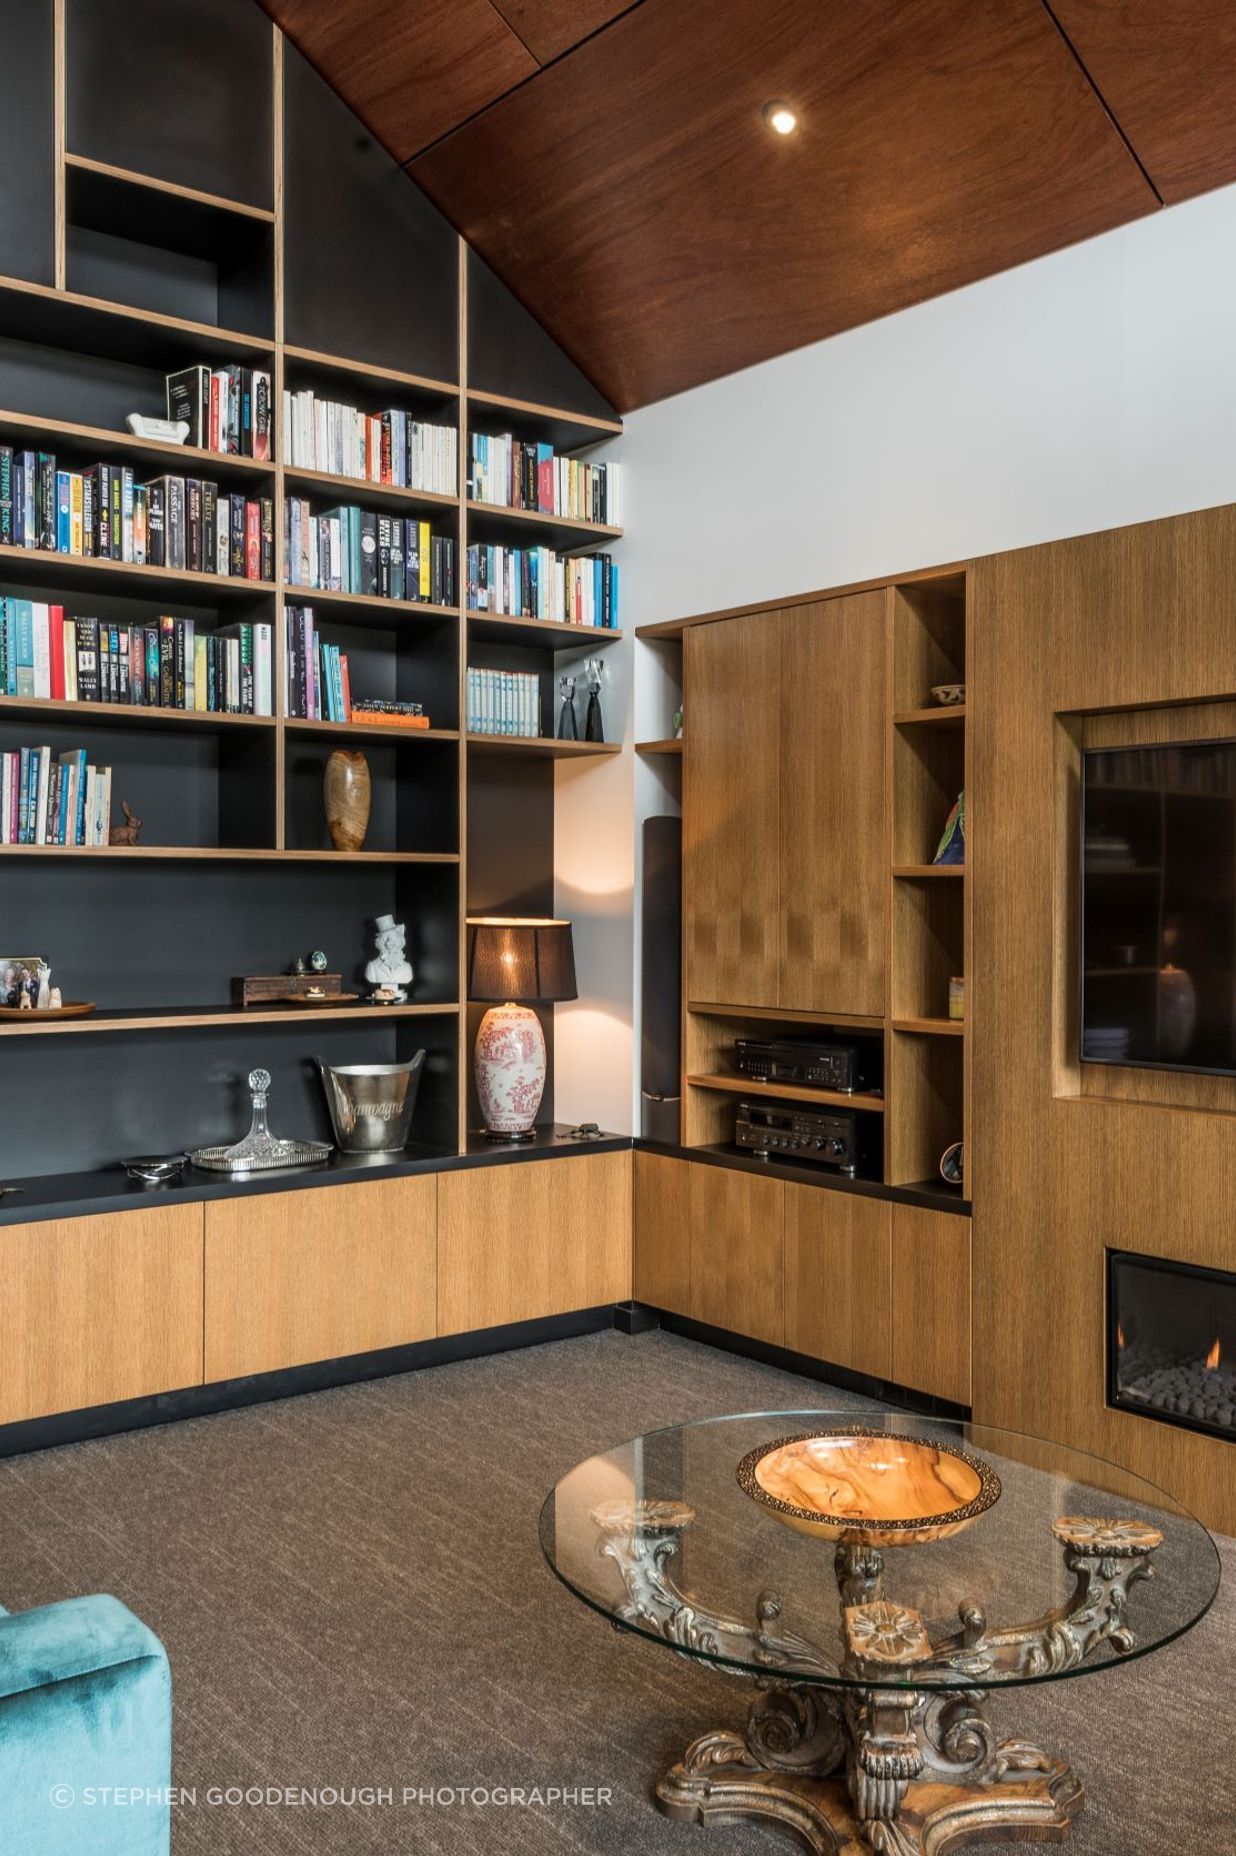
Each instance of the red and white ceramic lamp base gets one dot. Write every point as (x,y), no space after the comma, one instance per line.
(510,1064)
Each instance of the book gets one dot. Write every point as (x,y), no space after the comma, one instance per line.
(188,398)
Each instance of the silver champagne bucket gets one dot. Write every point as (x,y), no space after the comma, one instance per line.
(371,1104)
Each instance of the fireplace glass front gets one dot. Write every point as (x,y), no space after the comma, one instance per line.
(1171,1342)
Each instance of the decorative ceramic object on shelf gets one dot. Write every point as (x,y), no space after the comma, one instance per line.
(260,1151)
(128,833)
(347,794)
(568,725)
(876,1488)
(952,1163)
(162,431)
(957,997)
(513,960)
(371,1104)
(952,846)
(318,961)
(594,725)
(949,695)
(390,970)
(678,720)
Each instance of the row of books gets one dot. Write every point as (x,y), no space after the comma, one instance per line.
(382,447)
(536,583)
(352,550)
(226,409)
(186,523)
(514,474)
(46,801)
(504,702)
(319,683)
(171,665)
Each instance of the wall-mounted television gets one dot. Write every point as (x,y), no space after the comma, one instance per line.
(1158,953)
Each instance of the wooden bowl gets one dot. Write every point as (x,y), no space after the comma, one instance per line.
(876,1487)
(81,1009)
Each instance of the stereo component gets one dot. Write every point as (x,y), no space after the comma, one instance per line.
(844,1067)
(790,1133)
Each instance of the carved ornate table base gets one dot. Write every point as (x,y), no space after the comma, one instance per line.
(863,1760)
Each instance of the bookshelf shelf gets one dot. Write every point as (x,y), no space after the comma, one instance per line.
(787,1092)
(160,456)
(568,431)
(362,490)
(215,1017)
(54,318)
(362,602)
(43,566)
(542,747)
(673,746)
(668,631)
(931,1027)
(191,853)
(522,521)
(944,716)
(85,164)
(123,715)
(372,731)
(838,1021)
(540,634)
(313,360)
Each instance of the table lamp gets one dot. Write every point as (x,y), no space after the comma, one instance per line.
(511,960)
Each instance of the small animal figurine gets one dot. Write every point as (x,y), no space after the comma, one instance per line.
(129,832)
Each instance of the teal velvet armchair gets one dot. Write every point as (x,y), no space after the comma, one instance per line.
(85,1732)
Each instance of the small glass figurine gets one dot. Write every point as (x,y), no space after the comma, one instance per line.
(594,726)
(568,726)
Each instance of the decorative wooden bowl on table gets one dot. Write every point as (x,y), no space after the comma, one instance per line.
(80,1008)
(865,1486)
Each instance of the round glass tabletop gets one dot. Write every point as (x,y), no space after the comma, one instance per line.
(851,1549)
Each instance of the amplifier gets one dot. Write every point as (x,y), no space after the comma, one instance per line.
(790,1133)
(844,1067)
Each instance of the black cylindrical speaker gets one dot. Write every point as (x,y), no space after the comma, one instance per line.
(661,986)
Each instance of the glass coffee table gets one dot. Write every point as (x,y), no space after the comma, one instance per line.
(880,1576)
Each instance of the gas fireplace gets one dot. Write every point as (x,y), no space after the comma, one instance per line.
(1171,1342)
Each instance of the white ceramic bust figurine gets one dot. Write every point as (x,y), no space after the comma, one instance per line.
(390,970)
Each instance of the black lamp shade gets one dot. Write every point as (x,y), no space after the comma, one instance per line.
(520,959)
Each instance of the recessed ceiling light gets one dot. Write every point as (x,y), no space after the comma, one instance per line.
(780,118)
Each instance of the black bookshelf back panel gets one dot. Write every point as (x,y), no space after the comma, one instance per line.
(414,788)
(178,89)
(27,142)
(370,266)
(87,1101)
(155,251)
(413,663)
(510,835)
(509,352)
(189,787)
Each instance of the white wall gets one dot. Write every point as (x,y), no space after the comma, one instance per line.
(1091,389)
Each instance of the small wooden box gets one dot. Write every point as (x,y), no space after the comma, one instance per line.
(269,988)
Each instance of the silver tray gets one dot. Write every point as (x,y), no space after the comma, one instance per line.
(281,1153)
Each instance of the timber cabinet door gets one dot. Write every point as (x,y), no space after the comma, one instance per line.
(831,743)
(737,1242)
(294,1277)
(731,826)
(838,1278)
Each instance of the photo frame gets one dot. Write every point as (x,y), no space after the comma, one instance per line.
(21,978)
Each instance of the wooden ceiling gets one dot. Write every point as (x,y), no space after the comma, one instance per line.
(610,162)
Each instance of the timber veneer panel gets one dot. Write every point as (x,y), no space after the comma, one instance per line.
(516,1243)
(99,1309)
(294,1277)
(838,1279)
(1126,620)
(931,1302)
(662,1233)
(737,1247)
(830,744)
(731,847)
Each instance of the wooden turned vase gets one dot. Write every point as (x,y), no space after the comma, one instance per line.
(346,794)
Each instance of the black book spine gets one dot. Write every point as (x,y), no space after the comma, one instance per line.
(368,553)
(193,525)
(47,501)
(116,480)
(384,557)
(210,526)
(236,533)
(156,534)
(167,662)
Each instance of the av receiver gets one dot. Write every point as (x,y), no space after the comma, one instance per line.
(844,1067)
(788,1133)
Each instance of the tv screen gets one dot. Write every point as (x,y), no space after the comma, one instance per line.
(1158,967)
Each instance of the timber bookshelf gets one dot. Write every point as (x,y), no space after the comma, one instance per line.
(290,242)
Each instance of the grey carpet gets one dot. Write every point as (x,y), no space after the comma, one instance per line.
(351,1592)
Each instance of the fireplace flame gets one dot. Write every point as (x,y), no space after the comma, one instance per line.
(1120,1341)
(1213,1358)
